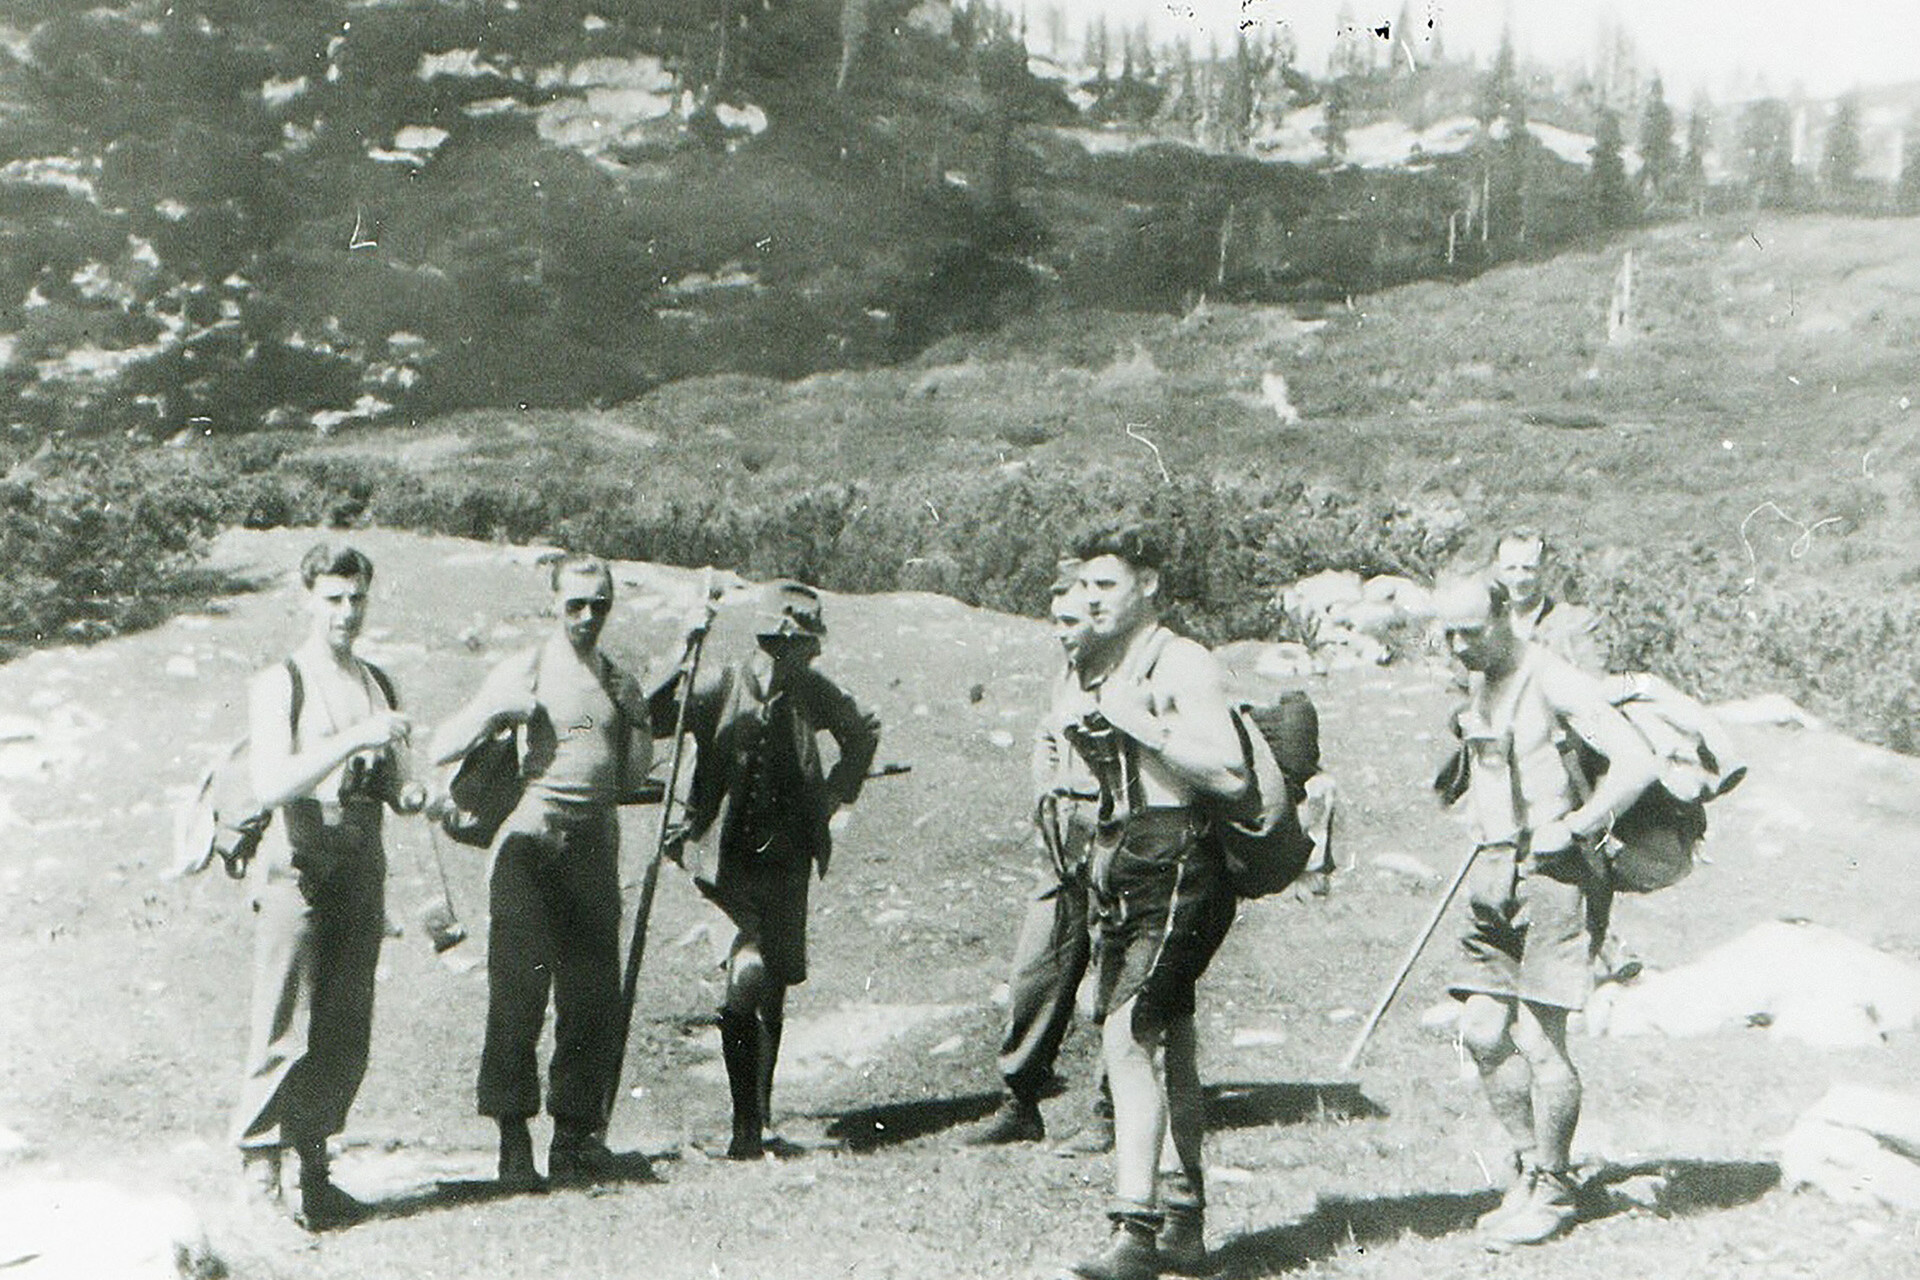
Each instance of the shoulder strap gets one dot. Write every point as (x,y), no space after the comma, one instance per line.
(296,696)
(386,685)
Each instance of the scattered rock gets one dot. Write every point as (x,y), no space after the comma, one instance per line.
(1801,981)
(1859,1145)
(1407,866)
(1767,708)
(1258,1037)
(1000,738)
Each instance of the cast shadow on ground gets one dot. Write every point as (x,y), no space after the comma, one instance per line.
(1229,1106)
(1254,1105)
(453,1193)
(890,1123)
(1673,1187)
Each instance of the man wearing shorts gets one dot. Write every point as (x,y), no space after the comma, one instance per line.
(327,751)
(1535,891)
(1150,719)
(553,890)
(758,780)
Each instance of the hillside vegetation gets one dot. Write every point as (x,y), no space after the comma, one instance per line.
(1731,483)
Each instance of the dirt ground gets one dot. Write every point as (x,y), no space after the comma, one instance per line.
(122,1013)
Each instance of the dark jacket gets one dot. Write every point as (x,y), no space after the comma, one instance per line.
(727,717)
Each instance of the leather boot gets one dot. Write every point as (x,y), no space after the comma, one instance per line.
(1183,1241)
(1016,1119)
(1130,1253)
(323,1206)
(517,1173)
(740,1049)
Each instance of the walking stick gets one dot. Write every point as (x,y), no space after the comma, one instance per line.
(630,985)
(1352,1059)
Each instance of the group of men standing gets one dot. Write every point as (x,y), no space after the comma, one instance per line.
(330,751)
(1135,756)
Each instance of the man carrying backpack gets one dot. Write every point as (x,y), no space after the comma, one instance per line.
(327,752)
(758,781)
(554,885)
(1151,721)
(1050,956)
(1536,890)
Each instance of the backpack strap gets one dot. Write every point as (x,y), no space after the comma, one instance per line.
(296,696)
(386,685)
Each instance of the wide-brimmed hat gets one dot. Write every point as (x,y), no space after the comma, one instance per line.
(787,608)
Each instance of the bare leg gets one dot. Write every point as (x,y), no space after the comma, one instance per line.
(1540,1032)
(1506,1075)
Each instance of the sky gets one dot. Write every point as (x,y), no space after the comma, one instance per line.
(1825,47)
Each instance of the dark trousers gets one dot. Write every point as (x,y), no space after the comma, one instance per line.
(1049,960)
(320,918)
(554,896)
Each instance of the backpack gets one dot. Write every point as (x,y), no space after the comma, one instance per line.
(1651,844)
(1260,837)
(487,784)
(222,818)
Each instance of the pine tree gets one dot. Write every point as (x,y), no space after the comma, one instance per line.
(1840,162)
(1608,195)
(1766,150)
(1908,190)
(1699,140)
(1659,159)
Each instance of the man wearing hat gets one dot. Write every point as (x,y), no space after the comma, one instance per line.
(760,783)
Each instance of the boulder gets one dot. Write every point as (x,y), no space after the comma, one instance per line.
(1801,981)
(1311,597)
(1859,1145)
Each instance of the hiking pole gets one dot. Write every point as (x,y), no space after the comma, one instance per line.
(1372,1024)
(630,985)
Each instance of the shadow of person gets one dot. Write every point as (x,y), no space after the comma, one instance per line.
(1253,1105)
(891,1123)
(630,1168)
(1671,1187)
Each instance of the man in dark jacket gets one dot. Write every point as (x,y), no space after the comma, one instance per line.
(759,782)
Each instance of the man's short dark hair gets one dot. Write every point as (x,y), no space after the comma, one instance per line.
(329,560)
(578,564)
(1134,543)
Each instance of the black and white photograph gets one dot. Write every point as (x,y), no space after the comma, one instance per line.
(989,639)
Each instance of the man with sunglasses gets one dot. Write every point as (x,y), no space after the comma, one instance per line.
(554,887)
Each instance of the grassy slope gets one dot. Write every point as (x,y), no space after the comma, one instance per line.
(122,1024)
(1768,366)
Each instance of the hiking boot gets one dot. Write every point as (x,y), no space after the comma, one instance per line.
(578,1159)
(746,1144)
(1014,1120)
(1130,1255)
(1183,1241)
(1549,1208)
(1094,1138)
(260,1177)
(517,1174)
(1517,1190)
(323,1206)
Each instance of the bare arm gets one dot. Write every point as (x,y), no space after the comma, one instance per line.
(1631,767)
(278,773)
(505,698)
(1182,717)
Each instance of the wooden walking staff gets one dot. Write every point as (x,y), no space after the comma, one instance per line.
(689,667)
(1348,1063)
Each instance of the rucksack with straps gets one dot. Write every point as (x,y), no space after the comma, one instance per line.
(1651,844)
(222,818)
(1260,837)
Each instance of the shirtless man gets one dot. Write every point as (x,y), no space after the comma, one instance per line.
(1535,893)
(1151,721)
(554,889)
(328,750)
